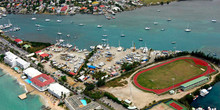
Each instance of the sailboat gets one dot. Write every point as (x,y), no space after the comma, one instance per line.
(119,47)
(188,29)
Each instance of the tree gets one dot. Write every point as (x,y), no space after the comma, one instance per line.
(63,78)
(101,82)
(89,86)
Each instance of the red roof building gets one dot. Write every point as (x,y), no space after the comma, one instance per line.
(18,41)
(37,52)
(42,81)
(44,55)
(64,8)
(72,73)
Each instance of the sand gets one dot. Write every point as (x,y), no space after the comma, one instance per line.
(46,98)
(141,98)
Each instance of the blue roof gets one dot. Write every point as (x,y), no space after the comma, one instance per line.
(90,66)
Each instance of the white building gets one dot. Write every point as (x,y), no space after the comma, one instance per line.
(22,64)
(10,59)
(31,72)
(57,90)
(13,60)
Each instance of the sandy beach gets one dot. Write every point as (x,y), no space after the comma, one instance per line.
(46,98)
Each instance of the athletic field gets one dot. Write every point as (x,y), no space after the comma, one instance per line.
(171,74)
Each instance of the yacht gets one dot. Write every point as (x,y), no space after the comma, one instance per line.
(37,25)
(122,35)
(162,29)
(99,26)
(174,42)
(4,15)
(214,21)
(155,23)
(38,29)
(59,21)
(33,18)
(104,35)
(68,35)
(59,33)
(203,92)
(158,10)
(47,20)
(140,39)
(81,24)
(147,28)
(92,47)
(210,88)
(169,19)
(0,17)
(113,17)
(188,29)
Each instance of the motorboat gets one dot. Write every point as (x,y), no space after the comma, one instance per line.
(99,26)
(188,29)
(104,35)
(158,10)
(81,24)
(4,15)
(155,23)
(169,19)
(162,29)
(147,28)
(59,21)
(140,39)
(47,20)
(214,21)
(59,33)
(37,25)
(122,35)
(38,29)
(210,88)
(68,35)
(174,42)
(33,18)
(92,47)
(204,92)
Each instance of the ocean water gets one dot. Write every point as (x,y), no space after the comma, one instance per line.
(210,100)
(10,90)
(205,35)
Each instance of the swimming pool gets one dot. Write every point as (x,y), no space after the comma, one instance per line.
(28,81)
(83,102)
(16,68)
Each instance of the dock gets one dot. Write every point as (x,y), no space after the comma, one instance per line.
(24,95)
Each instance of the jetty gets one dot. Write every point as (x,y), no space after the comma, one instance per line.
(2,74)
(24,95)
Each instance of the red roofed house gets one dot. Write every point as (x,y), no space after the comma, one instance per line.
(41,82)
(18,41)
(44,55)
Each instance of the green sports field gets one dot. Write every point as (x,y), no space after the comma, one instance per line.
(169,74)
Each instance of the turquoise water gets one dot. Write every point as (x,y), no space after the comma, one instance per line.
(212,99)
(83,102)
(205,35)
(9,100)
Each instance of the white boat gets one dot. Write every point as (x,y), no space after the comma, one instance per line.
(104,35)
(47,20)
(81,24)
(38,29)
(122,35)
(203,92)
(92,47)
(61,40)
(68,35)
(174,42)
(147,28)
(162,29)
(188,29)
(104,40)
(59,21)
(169,19)
(214,21)
(158,10)
(0,17)
(99,26)
(33,18)
(37,25)
(210,88)
(140,39)
(59,33)
(155,23)
(4,15)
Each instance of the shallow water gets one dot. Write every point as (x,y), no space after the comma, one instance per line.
(10,89)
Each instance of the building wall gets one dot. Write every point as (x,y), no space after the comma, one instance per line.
(195,84)
(12,63)
(56,95)
(23,66)
(41,89)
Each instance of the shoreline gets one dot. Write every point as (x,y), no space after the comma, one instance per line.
(44,99)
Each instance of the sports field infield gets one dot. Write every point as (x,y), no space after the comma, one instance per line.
(171,74)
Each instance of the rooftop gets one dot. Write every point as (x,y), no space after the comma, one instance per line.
(194,81)
(17,40)
(42,80)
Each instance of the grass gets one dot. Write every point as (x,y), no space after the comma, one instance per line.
(161,77)
(147,2)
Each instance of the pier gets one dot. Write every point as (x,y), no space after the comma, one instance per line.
(2,74)
(24,95)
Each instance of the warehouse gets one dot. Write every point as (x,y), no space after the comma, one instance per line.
(194,83)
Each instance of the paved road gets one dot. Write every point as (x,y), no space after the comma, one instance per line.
(112,104)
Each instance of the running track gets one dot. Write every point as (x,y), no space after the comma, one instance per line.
(159,91)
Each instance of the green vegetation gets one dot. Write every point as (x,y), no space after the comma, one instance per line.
(155,2)
(36,46)
(63,78)
(115,99)
(128,67)
(87,100)
(94,94)
(101,82)
(161,77)
(2,58)
(98,75)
